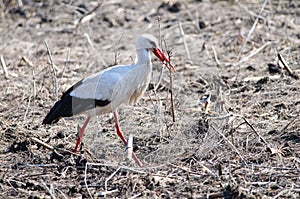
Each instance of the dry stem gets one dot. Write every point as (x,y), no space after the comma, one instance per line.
(252,54)
(171,88)
(172,100)
(53,71)
(252,29)
(160,44)
(234,148)
(184,41)
(286,66)
(4,67)
(254,130)
(88,16)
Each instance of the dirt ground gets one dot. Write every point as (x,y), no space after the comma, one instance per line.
(241,58)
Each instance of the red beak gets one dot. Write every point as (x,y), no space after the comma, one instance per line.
(162,57)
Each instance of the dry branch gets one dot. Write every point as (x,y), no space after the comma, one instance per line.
(51,147)
(4,67)
(42,143)
(28,105)
(286,66)
(94,50)
(172,100)
(283,192)
(159,31)
(215,55)
(288,124)
(184,40)
(257,78)
(254,130)
(232,146)
(88,16)
(53,71)
(91,14)
(105,193)
(252,29)
(27,61)
(20,3)
(254,52)
(50,190)
(112,175)
(160,44)
(135,196)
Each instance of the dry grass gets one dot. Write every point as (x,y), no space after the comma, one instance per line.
(244,145)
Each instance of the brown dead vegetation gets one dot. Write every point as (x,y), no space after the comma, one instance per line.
(236,97)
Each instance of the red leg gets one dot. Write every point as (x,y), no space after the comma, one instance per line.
(120,134)
(81,132)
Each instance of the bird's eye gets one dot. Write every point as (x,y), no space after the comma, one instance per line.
(152,43)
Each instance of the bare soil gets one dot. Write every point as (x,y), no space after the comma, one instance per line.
(245,144)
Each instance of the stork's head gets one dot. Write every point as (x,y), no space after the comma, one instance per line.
(149,42)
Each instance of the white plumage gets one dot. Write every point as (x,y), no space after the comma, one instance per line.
(105,91)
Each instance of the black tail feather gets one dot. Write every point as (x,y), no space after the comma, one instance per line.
(69,106)
(59,110)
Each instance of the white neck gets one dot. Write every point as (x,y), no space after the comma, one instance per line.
(143,57)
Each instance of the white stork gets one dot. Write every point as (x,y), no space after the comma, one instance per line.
(106,90)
